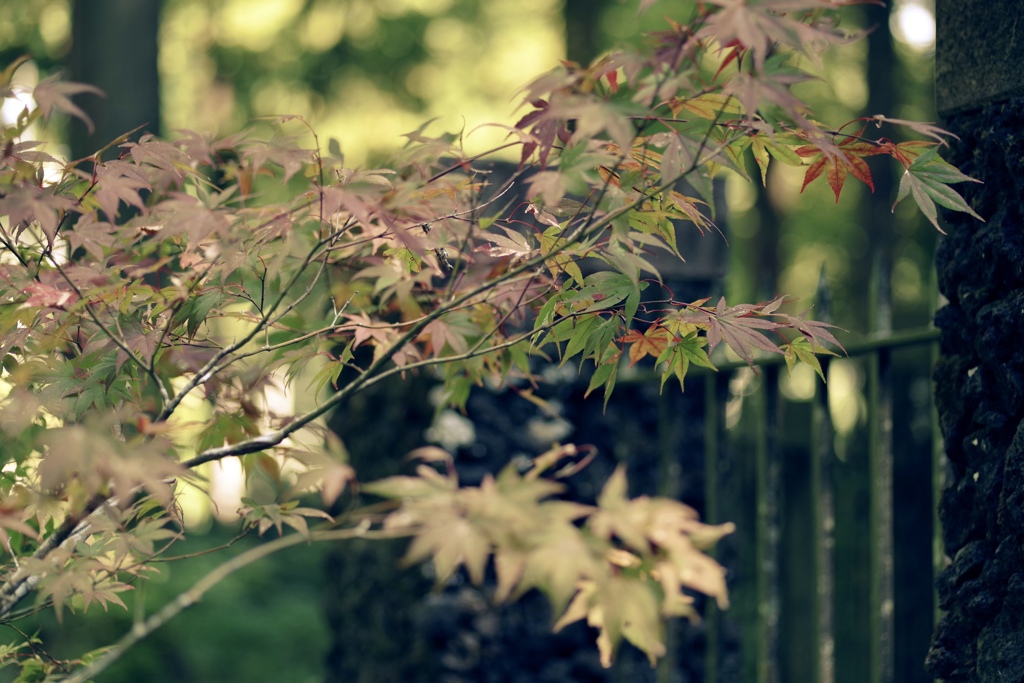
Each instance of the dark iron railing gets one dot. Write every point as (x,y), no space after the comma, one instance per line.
(831,567)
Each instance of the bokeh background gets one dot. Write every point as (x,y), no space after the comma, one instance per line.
(364,72)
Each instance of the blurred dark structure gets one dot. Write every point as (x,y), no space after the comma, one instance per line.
(114,47)
(980,374)
(456,634)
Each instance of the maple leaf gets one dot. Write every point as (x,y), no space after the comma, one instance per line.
(24,151)
(764,147)
(770,90)
(277,516)
(927,181)
(685,157)
(547,188)
(92,235)
(513,244)
(53,94)
(80,578)
(619,516)
(927,129)
(543,128)
(118,181)
(42,295)
(593,117)
(712,106)
(740,327)
(159,154)
(678,355)
(13,518)
(605,375)
(760,26)
(547,568)
(651,343)
(629,607)
(281,150)
(441,333)
(816,331)
(835,165)
(906,152)
(25,204)
(140,340)
(800,349)
(203,148)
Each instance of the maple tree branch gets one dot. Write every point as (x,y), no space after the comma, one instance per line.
(22,582)
(118,341)
(461,164)
(199,553)
(173,312)
(268,323)
(38,650)
(271,439)
(8,243)
(467,355)
(211,367)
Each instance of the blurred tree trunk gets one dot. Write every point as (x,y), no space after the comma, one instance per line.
(114,47)
(883,68)
(582,29)
(980,373)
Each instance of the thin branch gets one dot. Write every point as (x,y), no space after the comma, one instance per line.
(8,243)
(38,651)
(200,553)
(70,531)
(117,339)
(211,367)
(194,594)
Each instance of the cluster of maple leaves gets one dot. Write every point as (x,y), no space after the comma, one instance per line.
(152,294)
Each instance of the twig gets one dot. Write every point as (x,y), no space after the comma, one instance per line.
(194,594)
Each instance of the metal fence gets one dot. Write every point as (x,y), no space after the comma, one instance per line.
(833,489)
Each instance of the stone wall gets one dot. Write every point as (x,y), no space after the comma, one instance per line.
(980,400)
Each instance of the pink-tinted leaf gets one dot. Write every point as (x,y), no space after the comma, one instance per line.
(52,94)
(926,129)
(25,204)
(159,154)
(739,327)
(119,181)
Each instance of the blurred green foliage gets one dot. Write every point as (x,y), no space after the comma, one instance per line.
(264,624)
(366,71)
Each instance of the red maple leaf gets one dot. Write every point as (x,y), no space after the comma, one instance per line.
(836,165)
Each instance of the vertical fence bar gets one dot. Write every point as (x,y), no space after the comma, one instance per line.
(823,492)
(798,558)
(768,526)
(714,409)
(743,489)
(938,466)
(821,478)
(852,588)
(881,473)
(668,486)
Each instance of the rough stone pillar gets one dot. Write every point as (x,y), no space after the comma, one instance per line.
(980,374)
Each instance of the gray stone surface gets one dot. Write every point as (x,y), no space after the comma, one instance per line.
(980,400)
(979,53)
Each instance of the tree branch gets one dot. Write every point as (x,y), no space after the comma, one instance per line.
(193,595)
